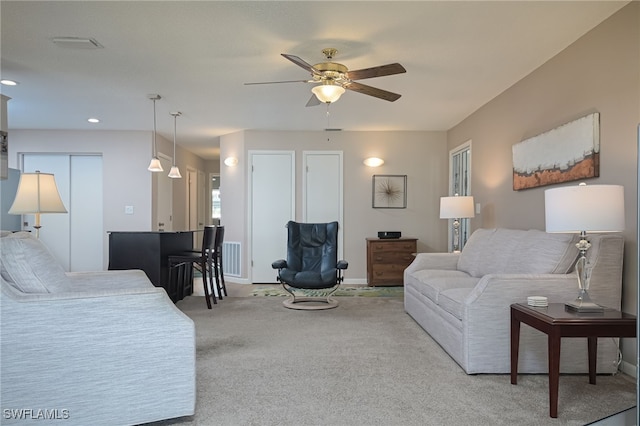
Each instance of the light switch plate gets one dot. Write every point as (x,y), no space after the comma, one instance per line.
(128,209)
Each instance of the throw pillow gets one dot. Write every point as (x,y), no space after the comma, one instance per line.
(29,265)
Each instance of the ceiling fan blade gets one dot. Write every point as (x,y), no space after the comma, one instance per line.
(372,91)
(301,63)
(277,82)
(313,101)
(380,71)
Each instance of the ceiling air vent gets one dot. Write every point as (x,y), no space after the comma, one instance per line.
(77,43)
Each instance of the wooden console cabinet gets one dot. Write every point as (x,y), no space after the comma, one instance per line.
(387,260)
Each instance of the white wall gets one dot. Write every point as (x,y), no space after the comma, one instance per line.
(126,181)
(422,156)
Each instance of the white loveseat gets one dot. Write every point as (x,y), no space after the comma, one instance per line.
(462,299)
(89,348)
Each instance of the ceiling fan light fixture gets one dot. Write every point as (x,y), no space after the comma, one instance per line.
(328,93)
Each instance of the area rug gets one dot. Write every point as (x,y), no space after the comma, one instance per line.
(361,291)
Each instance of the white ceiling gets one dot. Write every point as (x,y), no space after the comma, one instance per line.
(197,55)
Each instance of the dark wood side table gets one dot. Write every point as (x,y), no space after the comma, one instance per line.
(556,322)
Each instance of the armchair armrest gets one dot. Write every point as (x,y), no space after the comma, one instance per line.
(342,264)
(279,264)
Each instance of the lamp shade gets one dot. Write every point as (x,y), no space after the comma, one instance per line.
(328,93)
(592,208)
(37,193)
(456,207)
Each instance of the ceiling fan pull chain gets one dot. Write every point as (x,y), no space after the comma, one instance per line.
(328,127)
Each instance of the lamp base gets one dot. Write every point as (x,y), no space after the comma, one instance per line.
(583,303)
(584,308)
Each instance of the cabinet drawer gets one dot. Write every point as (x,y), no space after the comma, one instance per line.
(408,246)
(403,258)
(387,273)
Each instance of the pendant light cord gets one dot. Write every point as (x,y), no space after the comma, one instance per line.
(155,149)
(175,117)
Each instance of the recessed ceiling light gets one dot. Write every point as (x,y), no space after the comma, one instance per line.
(93,120)
(8,82)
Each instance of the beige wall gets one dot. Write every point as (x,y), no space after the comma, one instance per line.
(184,160)
(598,73)
(422,156)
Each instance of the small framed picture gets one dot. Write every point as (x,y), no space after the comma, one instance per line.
(389,192)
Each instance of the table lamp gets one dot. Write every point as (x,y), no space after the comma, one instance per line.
(456,207)
(37,193)
(581,209)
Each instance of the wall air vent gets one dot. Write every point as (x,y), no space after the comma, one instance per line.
(77,43)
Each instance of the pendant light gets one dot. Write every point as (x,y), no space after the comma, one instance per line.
(174,172)
(154,165)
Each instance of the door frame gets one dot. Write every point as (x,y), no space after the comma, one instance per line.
(340,154)
(250,155)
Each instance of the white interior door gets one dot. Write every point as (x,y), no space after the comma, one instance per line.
(87,223)
(272,206)
(164,197)
(323,188)
(76,239)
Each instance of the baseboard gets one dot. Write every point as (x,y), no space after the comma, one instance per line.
(239,280)
(628,369)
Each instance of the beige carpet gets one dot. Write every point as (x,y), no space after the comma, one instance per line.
(364,363)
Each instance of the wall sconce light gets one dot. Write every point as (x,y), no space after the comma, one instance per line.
(373,162)
(230,161)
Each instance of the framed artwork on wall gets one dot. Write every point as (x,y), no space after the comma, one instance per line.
(567,153)
(389,192)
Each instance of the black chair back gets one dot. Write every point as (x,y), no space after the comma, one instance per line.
(313,248)
(208,241)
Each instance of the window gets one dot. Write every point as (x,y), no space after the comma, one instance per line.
(460,182)
(215,197)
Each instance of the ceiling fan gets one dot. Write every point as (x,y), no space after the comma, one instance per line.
(332,78)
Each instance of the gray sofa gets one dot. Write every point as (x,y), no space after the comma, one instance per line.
(462,299)
(91,348)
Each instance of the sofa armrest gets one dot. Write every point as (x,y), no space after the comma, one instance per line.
(447,261)
(93,353)
(501,290)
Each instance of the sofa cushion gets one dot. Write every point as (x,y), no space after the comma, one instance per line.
(433,281)
(540,252)
(452,301)
(494,251)
(29,266)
